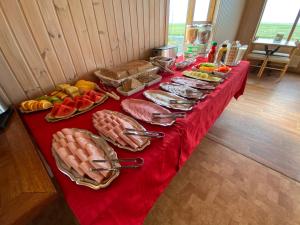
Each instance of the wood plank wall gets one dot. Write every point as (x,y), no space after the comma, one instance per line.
(46,42)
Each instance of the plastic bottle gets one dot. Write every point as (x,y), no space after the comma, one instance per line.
(221,54)
(212,52)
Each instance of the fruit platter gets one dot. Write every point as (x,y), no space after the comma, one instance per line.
(169,100)
(198,84)
(182,90)
(112,126)
(71,107)
(35,105)
(221,70)
(202,76)
(149,112)
(75,151)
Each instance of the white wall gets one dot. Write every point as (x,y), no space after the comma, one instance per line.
(227,19)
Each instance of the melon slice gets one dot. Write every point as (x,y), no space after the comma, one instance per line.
(65,111)
(69,102)
(54,110)
(83,104)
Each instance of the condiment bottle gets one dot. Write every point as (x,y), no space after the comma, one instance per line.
(221,54)
(212,52)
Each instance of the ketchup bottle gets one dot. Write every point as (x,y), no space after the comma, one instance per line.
(212,52)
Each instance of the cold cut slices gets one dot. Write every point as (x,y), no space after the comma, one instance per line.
(111,125)
(182,90)
(76,150)
(199,84)
(164,98)
(144,110)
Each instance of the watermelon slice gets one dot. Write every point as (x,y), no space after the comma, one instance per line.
(95,96)
(69,102)
(54,110)
(65,111)
(83,104)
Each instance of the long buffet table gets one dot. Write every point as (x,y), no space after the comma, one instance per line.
(129,198)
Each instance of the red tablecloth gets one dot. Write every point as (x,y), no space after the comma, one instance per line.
(129,198)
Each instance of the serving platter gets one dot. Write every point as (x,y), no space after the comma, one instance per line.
(202,76)
(136,125)
(51,120)
(182,90)
(164,98)
(110,154)
(198,84)
(143,110)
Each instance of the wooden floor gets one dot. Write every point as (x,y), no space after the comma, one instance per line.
(220,187)
(264,124)
(217,185)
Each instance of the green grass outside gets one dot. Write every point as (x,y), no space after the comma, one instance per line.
(265,30)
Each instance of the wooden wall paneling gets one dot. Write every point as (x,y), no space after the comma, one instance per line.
(127,29)
(120,30)
(112,32)
(39,32)
(82,33)
(26,42)
(140,19)
(56,36)
(4,96)
(167,21)
(91,24)
(156,23)
(152,18)
(16,60)
(103,33)
(9,83)
(69,32)
(146,13)
(162,20)
(134,28)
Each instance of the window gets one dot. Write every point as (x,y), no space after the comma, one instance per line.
(280,17)
(187,11)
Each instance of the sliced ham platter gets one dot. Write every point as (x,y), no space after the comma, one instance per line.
(112,126)
(74,151)
(144,110)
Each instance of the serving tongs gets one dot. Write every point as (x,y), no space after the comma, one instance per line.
(107,91)
(136,163)
(168,115)
(184,102)
(143,133)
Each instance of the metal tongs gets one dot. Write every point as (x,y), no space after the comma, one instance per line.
(107,91)
(168,115)
(143,133)
(187,102)
(136,163)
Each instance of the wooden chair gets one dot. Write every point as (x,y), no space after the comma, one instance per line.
(281,60)
(259,56)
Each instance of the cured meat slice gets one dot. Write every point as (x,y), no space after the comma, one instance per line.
(55,137)
(63,154)
(63,142)
(81,155)
(60,134)
(67,131)
(70,138)
(74,164)
(86,167)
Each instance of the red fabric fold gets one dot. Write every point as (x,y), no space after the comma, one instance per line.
(130,197)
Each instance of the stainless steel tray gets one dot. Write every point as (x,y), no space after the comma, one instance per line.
(182,90)
(85,181)
(135,124)
(162,98)
(141,102)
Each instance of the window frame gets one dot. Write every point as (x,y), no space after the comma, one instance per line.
(292,29)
